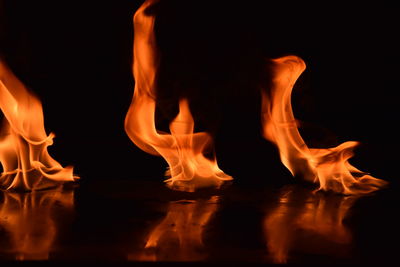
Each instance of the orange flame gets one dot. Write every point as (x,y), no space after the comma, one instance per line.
(183,150)
(23,141)
(328,167)
(179,236)
(27,218)
(318,215)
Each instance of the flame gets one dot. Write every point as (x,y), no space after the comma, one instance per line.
(23,141)
(316,214)
(183,149)
(328,167)
(27,220)
(179,236)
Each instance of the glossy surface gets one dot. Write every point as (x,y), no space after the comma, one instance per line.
(131,221)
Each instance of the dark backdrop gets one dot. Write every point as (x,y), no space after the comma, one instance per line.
(77,55)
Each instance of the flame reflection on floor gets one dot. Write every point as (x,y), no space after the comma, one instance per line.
(302,213)
(179,236)
(119,221)
(27,218)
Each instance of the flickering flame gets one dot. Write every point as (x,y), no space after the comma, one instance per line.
(328,167)
(27,220)
(183,149)
(179,236)
(23,140)
(302,214)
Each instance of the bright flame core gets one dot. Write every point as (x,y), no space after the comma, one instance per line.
(183,149)
(328,167)
(26,162)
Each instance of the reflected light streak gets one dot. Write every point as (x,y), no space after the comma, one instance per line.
(27,218)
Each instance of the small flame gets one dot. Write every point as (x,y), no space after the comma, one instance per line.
(27,219)
(179,236)
(316,214)
(328,167)
(183,149)
(26,162)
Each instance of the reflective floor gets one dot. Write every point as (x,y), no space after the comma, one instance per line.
(136,221)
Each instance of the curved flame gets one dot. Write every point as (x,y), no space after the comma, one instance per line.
(183,149)
(26,162)
(328,167)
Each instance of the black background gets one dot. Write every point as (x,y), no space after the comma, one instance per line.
(77,55)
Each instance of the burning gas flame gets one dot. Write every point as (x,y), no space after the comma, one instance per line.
(318,215)
(328,167)
(179,236)
(23,141)
(183,149)
(27,220)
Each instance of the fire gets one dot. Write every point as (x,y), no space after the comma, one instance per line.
(27,220)
(179,236)
(315,214)
(328,167)
(183,149)
(26,162)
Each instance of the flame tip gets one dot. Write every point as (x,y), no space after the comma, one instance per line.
(182,148)
(327,166)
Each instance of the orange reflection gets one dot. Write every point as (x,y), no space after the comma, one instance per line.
(26,162)
(179,236)
(328,167)
(183,149)
(27,220)
(308,222)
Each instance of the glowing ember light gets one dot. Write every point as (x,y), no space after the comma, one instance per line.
(183,149)
(26,162)
(179,236)
(27,220)
(328,167)
(301,213)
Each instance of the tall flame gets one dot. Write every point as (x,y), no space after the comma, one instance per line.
(183,149)
(328,167)
(179,236)
(27,220)
(26,162)
(318,215)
